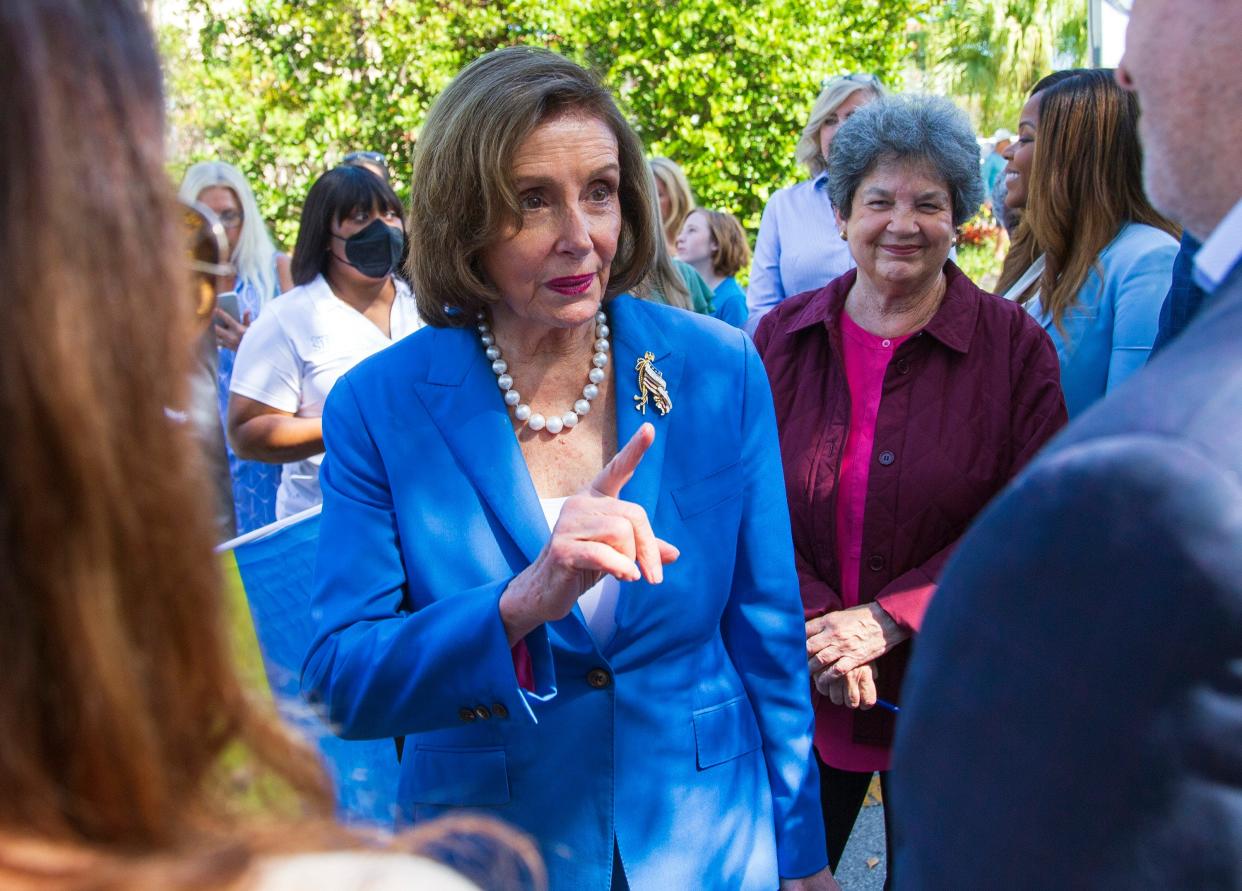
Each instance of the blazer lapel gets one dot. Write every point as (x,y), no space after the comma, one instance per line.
(461,395)
(634,335)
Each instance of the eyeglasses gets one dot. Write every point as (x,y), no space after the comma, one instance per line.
(230,219)
(373,157)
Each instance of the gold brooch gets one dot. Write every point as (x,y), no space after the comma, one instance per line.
(651,385)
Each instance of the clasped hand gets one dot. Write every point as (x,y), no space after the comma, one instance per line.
(840,647)
(597,534)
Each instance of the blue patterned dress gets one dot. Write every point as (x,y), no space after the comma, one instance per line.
(254,482)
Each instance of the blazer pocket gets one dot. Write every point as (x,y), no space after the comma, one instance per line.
(458,776)
(724,732)
(711,491)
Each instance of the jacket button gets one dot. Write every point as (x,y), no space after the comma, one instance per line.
(598,678)
(466,714)
(499,710)
(875,563)
(887,457)
(903,366)
(483,712)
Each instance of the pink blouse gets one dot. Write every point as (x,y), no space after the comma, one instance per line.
(866,358)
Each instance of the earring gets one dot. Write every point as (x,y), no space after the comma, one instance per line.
(844,237)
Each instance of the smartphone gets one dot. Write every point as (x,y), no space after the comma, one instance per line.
(227,301)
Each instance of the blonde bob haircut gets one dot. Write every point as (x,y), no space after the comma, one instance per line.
(680,198)
(834,94)
(731,253)
(463,198)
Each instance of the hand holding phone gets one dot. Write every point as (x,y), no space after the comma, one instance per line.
(227,301)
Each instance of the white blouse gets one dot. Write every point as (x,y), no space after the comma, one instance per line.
(599,602)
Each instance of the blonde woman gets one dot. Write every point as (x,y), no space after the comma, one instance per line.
(798,248)
(262,274)
(676,199)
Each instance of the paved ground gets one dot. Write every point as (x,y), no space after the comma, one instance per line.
(862,864)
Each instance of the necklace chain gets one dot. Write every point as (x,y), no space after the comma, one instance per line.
(534,420)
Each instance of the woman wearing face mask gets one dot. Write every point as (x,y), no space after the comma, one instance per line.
(347,305)
(262,274)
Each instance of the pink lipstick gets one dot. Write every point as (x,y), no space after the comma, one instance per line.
(571,285)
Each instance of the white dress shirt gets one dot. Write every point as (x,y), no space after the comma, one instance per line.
(1221,252)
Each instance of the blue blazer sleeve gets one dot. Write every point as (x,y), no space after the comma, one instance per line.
(381,667)
(763,632)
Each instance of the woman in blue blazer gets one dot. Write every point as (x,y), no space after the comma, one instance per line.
(620,672)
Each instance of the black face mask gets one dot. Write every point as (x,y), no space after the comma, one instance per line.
(374,250)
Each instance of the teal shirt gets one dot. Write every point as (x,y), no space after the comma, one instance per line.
(700,292)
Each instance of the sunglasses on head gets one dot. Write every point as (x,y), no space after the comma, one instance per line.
(373,157)
(869,79)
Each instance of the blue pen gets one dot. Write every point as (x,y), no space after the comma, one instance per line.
(884,703)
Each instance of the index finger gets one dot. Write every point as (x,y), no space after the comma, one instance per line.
(617,472)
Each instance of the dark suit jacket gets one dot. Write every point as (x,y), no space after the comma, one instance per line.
(1073,711)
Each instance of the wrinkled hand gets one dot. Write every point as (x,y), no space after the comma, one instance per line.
(841,641)
(857,689)
(597,534)
(820,881)
(229,331)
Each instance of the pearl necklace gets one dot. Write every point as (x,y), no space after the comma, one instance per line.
(535,421)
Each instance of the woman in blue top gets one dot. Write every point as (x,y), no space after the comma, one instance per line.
(262,274)
(798,248)
(505,493)
(714,243)
(1106,254)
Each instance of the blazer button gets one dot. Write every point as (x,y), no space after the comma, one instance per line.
(499,710)
(482,712)
(466,714)
(887,457)
(875,563)
(598,678)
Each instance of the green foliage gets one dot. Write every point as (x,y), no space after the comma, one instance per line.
(988,53)
(284,88)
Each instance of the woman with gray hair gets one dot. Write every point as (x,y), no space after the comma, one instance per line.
(906,398)
(796,249)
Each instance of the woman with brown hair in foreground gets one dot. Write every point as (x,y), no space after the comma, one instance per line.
(118,693)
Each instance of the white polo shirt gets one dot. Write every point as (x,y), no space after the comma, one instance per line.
(295,352)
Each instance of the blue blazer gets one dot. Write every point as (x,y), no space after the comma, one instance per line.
(1109,333)
(1072,717)
(688,737)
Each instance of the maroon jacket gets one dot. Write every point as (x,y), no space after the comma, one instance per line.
(965,404)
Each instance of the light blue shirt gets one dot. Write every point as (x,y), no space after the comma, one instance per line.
(1109,332)
(799,247)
